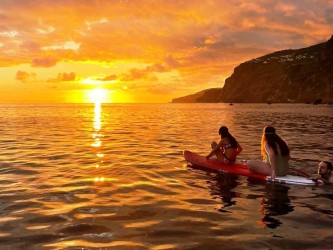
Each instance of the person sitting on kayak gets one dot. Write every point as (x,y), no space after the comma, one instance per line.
(275,153)
(324,172)
(227,149)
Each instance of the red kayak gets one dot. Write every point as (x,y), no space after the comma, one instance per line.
(241,169)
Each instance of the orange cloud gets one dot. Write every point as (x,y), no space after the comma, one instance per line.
(45,62)
(108,78)
(171,28)
(67,76)
(135,74)
(63,77)
(287,8)
(329,16)
(30,46)
(171,62)
(25,77)
(148,72)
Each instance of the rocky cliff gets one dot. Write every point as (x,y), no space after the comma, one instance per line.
(301,75)
(205,96)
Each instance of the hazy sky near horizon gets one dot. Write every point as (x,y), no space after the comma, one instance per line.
(143,50)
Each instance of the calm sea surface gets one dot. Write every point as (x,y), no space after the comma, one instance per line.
(113,177)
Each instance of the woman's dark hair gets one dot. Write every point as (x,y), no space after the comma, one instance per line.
(224,132)
(272,139)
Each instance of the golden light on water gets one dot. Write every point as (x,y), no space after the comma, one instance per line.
(97,120)
(98,96)
(99,179)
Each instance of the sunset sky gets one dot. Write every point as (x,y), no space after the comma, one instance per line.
(126,51)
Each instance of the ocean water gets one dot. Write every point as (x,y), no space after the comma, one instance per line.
(113,177)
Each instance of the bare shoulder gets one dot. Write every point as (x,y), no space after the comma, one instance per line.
(330,180)
(221,142)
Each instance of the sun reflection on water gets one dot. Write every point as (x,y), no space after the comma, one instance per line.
(97,118)
(97,136)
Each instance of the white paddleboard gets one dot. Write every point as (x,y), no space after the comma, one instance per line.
(291,179)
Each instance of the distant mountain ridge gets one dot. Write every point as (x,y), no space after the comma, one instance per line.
(299,75)
(208,95)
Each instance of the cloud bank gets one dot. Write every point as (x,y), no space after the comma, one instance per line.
(195,43)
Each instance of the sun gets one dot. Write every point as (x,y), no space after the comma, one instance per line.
(98,95)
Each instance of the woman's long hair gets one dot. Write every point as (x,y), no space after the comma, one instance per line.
(273,141)
(224,132)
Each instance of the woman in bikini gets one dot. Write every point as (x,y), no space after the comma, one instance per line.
(275,153)
(227,149)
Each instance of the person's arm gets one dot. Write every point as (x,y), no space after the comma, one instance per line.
(318,179)
(218,146)
(321,179)
(272,159)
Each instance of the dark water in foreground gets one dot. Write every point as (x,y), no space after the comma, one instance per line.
(79,177)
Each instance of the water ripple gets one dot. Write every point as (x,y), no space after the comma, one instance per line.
(72,179)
